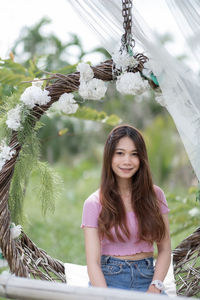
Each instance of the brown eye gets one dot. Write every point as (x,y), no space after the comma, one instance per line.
(119,153)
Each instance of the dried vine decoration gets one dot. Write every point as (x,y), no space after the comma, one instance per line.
(23,257)
(186,258)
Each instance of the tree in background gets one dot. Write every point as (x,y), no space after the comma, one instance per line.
(47,50)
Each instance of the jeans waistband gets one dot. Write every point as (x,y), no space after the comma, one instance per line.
(110,259)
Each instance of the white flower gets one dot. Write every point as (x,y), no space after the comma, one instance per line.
(15,231)
(194,212)
(37,83)
(14,118)
(35,95)
(86,72)
(131,83)
(67,104)
(94,89)
(5,151)
(124,60)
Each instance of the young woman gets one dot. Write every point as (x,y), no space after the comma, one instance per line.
(125,217)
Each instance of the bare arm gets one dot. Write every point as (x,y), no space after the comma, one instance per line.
(164,257)
(93,256)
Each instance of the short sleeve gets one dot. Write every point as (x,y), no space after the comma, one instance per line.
(162,200)
(91,210)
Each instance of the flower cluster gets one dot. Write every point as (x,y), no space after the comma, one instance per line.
(15,230)
(90,88)
(31,96)
(86,72)
(6,153)
(94,89)
(14,117)
(131,83)
(66,103)
(128,82)
(123,60)
(35,95)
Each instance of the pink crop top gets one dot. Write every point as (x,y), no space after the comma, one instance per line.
(91,211)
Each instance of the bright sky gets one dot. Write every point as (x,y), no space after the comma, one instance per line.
(14,14)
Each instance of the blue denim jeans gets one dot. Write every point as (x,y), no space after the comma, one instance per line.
(135,275)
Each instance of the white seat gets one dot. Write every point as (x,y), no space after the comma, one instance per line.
(76,275)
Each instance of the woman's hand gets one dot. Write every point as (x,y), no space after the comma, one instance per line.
(153,289)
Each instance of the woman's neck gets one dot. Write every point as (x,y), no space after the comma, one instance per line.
(124,186)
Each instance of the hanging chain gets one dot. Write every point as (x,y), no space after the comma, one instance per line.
(127,40)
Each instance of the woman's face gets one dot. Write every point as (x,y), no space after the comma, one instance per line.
(125,161)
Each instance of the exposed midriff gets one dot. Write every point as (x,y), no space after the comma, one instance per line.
(136,256)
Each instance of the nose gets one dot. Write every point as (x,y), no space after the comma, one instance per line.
(127,160)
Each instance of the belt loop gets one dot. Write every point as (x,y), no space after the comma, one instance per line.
(127,262)
(107,258)
(148,262)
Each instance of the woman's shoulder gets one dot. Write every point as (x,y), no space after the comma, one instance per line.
(158,190)
(94,197)
(162,199)
(93,200)
(91,210)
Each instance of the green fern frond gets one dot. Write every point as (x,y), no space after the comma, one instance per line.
(50,186)
(27,159)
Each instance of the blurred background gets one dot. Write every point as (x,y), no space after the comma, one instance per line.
(39,37)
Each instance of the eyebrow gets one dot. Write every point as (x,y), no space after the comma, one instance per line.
(134,150)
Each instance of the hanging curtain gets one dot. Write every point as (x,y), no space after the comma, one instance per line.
(187,15)
(180,86)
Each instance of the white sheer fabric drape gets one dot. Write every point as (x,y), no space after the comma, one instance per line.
(187,15)
(179,85)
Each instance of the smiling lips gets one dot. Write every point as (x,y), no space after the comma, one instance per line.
(127,170)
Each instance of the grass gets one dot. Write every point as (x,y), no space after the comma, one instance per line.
(59,233)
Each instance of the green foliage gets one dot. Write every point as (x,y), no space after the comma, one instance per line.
(163,145)
(184,213)
(18,187)
(12,75)
(50,186)
(59,233)
(48,51)
(87,113)
(113,120)
(27,159)
(198,193)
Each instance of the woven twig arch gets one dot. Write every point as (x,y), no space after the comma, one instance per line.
(186,260)
(25,258)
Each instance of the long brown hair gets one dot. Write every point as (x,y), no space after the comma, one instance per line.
(144,201)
